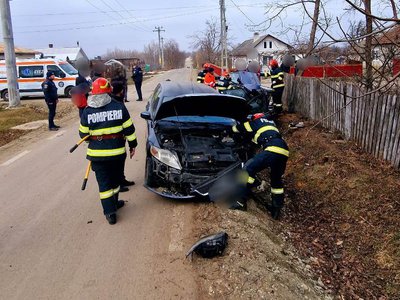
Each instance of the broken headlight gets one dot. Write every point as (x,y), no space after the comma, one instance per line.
(166,157)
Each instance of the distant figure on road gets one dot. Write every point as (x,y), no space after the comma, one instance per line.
(137,76)
(121,78)
(51,97)
(109,125)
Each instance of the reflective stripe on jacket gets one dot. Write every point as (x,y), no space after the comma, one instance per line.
(277,76)
(112,118)
(264,132)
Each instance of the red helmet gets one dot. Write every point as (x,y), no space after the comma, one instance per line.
(257,116)
(101,86)
(273,63)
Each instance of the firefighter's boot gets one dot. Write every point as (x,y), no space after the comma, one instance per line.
(111,218)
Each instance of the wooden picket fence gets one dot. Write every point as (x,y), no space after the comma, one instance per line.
(372,120)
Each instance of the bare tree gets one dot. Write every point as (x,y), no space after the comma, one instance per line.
(150,55)
(206,43)
(121,53)
(173,56)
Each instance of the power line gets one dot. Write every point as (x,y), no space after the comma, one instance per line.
(103,11)
(102,21)
(117,24)
(131,15)
(177,8)
(247,17)
(113,11)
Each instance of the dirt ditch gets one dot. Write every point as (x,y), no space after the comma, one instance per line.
(27,112)
(339,234)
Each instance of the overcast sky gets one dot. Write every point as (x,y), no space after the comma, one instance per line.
(105,24)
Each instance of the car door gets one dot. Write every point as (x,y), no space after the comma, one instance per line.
(60,75)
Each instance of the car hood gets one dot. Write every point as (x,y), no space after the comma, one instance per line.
(204,105)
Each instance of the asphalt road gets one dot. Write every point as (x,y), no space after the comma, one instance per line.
(55,242)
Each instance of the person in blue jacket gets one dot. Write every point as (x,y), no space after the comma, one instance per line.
(137,76)
(51,97)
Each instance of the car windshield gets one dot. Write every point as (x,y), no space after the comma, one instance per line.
(235,77)
(69,69)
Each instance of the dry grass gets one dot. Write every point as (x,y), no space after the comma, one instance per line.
(33,111)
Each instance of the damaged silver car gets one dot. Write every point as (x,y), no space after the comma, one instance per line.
(188,147)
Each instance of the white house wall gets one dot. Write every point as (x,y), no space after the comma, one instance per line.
(277,47)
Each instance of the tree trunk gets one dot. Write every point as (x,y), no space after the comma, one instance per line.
(368,45)
(311,43)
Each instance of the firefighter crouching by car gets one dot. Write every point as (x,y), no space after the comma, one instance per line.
(278,84)
(224,82)
(108,123)
(274,156)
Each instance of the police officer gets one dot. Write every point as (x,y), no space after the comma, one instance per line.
(137,76)
(51,97)
(264,133)
(109,124)
(278,85)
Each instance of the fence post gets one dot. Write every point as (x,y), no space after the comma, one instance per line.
(312,100)
(347,113)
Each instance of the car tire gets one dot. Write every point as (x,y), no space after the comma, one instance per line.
(5,96)
(67,91)
(150,179)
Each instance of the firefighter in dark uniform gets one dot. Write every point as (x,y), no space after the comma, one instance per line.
(201,75)
(224,82)
(109,124)
(278,84)
(264,133)
(51,97)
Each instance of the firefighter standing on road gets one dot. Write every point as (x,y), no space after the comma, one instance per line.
(278,85)
(51,97)
(274,156)
(109,124)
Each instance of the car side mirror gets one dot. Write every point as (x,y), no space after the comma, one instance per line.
(62,75)
(145,115)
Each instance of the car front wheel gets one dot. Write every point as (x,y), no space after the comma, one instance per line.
(150,177)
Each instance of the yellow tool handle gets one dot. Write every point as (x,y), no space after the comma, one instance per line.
(78,143)
(85,180)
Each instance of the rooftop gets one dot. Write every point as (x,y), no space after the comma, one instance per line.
(19,50)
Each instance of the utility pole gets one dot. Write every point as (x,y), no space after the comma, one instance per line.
(160,59)
(162,53)
(9,53)
(224,36)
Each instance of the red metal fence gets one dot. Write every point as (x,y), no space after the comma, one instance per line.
(328,71)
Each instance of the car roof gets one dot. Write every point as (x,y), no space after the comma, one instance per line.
(171,89)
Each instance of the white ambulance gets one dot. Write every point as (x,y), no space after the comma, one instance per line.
(32,72)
